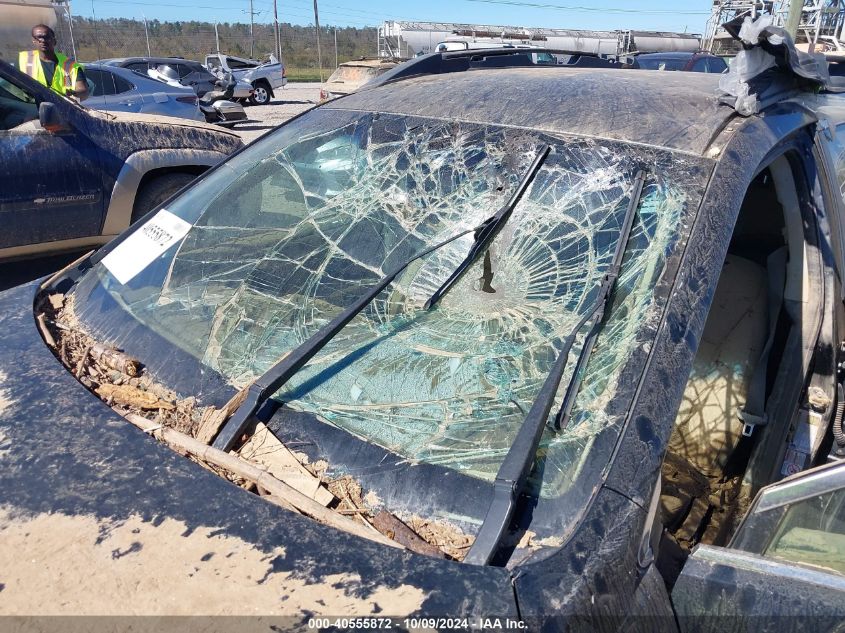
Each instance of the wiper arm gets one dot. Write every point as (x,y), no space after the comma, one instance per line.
(275,378)
(513,473)
(487,230)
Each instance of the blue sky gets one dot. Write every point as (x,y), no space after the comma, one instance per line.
(665,15)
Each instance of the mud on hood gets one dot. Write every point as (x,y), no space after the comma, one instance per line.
(132,117)
(84,490)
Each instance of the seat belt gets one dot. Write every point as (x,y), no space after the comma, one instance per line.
(754,412)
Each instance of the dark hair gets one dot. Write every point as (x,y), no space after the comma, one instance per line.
(50,31)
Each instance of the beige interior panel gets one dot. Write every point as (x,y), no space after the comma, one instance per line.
(707,428)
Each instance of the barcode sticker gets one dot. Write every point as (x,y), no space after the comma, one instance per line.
(146,244)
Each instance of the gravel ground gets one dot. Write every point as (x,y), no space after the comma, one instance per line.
(290,101)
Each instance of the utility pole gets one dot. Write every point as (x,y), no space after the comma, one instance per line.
(70,27)
(216,38)
(278,33)
(317,27)
(147,35)
(793,19)
(335,47)
(252,31)
(818,28)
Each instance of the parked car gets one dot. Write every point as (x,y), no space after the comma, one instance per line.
(511,333)
(700,62)
(118,89)
(350,76)
(74,177)
(191,74)
(264,77)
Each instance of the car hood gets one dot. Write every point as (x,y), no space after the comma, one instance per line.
(112,522)
(132,117)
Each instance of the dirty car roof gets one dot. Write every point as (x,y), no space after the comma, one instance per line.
(679,111)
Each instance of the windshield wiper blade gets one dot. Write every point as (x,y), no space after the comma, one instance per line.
(487,230)
(275,378)
(246,405)
(513,473)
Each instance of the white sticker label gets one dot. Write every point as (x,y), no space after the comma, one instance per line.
(141,248)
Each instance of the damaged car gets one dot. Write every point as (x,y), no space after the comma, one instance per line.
(74,178)
(435,360)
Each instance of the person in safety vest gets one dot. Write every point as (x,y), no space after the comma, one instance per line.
(57,71)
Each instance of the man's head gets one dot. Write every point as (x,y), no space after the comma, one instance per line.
(44,38)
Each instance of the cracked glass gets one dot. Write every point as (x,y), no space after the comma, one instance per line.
(294,229)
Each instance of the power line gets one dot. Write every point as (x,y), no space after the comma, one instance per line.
(558,7)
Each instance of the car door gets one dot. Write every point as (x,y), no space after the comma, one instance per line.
(109,91)
(783,571)
(51,181)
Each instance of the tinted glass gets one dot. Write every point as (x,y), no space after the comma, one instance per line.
(701,65)
(102,83)
(718,65)
(17,106)
(138,67)
(813,533)
(662,63)
(99,82)
(120,84)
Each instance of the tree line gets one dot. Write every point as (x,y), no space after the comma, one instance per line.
(121,37)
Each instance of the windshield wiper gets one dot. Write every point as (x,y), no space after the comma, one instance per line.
(488,229)
(513,473)
(275,378)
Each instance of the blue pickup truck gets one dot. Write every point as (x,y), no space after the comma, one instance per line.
(73,177)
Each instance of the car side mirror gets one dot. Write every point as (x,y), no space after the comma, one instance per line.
(51,119)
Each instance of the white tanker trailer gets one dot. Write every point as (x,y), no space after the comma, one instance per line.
(406,39)
(17,17)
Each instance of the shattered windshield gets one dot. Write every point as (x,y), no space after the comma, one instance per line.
(293,230)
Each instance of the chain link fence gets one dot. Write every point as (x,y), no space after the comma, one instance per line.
(90,39)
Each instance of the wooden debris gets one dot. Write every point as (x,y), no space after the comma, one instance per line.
(129,396)
(280,493)
(42,326)
(447,537)
(279,475)
(115,359)
(265,448)
(57,301)
(213,419)
(80,365)
(526,540)
(393,528)
(347,490)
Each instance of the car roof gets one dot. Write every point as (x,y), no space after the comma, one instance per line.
(126,60)
(141,81)
(679,111)
(672,55)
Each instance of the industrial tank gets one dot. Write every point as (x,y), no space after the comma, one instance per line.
(17,17)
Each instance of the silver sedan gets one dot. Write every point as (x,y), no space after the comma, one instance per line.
(119,89)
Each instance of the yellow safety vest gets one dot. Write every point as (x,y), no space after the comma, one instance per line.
(64,78)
